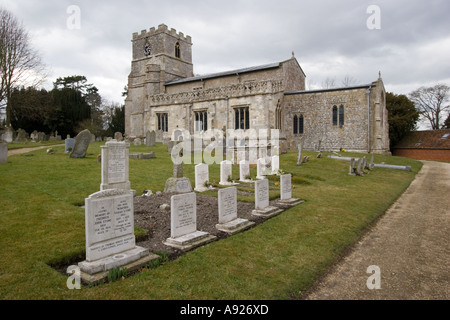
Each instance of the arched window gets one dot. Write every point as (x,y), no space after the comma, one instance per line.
(295,124)
(298,124)
(341,115)
(177,50)
(335,116)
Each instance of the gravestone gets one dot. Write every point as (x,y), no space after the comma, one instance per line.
(69,144)
(275,164)
(286,191)
(228,220)
(226,172)
(371,164)
(142,155)
(115,165)
(201,177)
(178,183)
(262,207)
(110,240)
(82,141)
(352,167)
(137,142)
(183,223)
(299,153)
(359,172)
(3,152)
(8,135)
(150,138)
(244,171)
(21,136)
(118,136)
(262,168)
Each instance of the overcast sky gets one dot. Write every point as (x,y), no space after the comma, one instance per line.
(330,38)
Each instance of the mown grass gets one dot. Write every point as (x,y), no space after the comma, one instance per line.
(42,225)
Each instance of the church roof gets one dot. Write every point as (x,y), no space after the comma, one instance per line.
(328,90)
(223,74)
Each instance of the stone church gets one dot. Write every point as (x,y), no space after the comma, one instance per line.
(164,95)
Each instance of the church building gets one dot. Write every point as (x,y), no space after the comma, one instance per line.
(164,95)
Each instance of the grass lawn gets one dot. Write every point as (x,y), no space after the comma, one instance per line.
(42,223)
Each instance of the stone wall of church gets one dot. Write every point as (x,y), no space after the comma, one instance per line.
(317,111)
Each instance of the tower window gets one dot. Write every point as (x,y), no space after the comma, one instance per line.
(177,50)
(163,122)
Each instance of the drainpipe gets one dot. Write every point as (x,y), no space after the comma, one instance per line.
(368,117)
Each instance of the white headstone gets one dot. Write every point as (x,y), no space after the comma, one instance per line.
(227,204)
(275,164)
(183,223)
(109,224)
(262,207)
(225,172)
(201,177)
(228,220)
(115,165)
(244,170)
(285,187)
(183,214)
(261,194)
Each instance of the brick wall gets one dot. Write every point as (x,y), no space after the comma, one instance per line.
(423,154)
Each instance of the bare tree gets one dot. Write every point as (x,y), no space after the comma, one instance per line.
(329,83)
(20,64)
(431,103)
(348,81)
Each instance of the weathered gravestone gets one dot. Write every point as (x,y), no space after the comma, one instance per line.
(8,135)
(82,141)
(262,207)
(3,152)
(115,165)
(178,183)
(286,191)
(352,167)
(263,168)
(201,177)
(110,240)
(299,153)
(150,138)
(183,223)
(228,220)
(118,136)
(69,144)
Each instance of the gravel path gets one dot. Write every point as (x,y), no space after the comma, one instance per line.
(409,245)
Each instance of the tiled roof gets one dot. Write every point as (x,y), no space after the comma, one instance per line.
(223,74)
(430,139)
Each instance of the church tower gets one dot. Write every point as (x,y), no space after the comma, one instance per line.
(159,55)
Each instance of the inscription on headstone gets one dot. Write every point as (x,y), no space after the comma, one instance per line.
(109,223)
(227,204)
(115,165)
(183,218)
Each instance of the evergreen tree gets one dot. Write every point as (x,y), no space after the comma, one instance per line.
(403,116)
